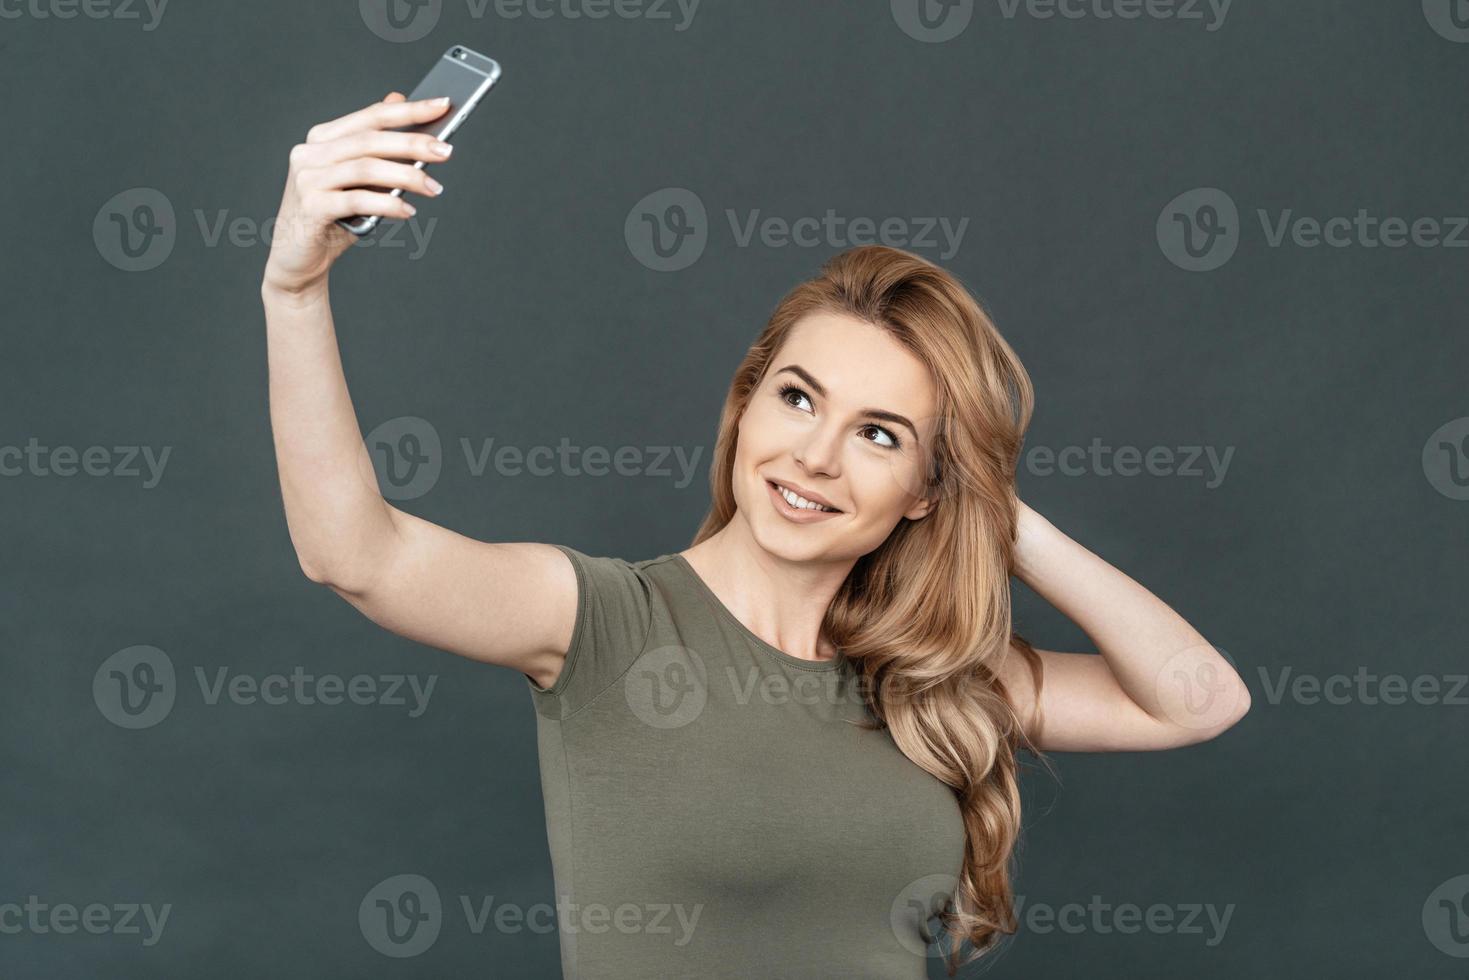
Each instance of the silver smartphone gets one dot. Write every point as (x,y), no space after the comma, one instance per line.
(464,76)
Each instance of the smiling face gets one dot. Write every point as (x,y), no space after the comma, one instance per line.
(832,416)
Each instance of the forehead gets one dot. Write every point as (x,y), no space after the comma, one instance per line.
(860,365)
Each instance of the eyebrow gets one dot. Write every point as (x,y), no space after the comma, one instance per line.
(877,413)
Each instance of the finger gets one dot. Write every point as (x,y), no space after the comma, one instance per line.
(379,115)
(371,172)
(396,97)
(345,204)
(372,143)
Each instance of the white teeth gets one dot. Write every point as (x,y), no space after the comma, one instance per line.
(796,500)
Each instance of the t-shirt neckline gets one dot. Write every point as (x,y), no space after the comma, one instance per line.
(725,613)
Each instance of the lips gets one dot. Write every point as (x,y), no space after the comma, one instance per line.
(796,515)
(810,495)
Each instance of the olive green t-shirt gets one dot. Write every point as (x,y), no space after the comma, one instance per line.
(712,810)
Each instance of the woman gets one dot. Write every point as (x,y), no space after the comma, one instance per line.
(782,750)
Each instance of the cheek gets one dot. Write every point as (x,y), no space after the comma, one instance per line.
(759,435)
(889,483)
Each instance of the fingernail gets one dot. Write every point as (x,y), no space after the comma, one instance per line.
(411,209)
(443,149)
(441,100)
(434,186)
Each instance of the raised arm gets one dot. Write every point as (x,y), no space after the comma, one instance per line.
(511,604)
(1157,683)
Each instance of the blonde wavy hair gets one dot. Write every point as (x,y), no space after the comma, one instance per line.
(925,618)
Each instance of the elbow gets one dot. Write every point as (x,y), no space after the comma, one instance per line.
(311,561)
(320,572)
(313,571)
(1244,703)
(1242,707)
(348,586)
(1238,706)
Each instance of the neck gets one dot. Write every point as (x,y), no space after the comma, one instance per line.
(780,600)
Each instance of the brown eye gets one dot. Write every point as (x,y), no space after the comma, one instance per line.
(787,390)
(896,442)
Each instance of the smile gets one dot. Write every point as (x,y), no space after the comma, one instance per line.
(789,506)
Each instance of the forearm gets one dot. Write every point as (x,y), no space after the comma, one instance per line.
(338,521)
(1143,640)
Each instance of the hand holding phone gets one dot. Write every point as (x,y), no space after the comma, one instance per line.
(463,77)
(352,171)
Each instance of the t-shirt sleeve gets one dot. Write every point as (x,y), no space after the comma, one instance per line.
(613,619)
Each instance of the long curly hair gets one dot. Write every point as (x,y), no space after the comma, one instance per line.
(925,617)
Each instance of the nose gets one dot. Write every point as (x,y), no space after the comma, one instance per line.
(820,452)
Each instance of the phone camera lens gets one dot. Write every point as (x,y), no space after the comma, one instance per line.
(459,53)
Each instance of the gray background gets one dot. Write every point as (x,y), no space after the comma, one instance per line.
(528,318)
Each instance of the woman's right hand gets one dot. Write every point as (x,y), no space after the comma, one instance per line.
(328,177)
